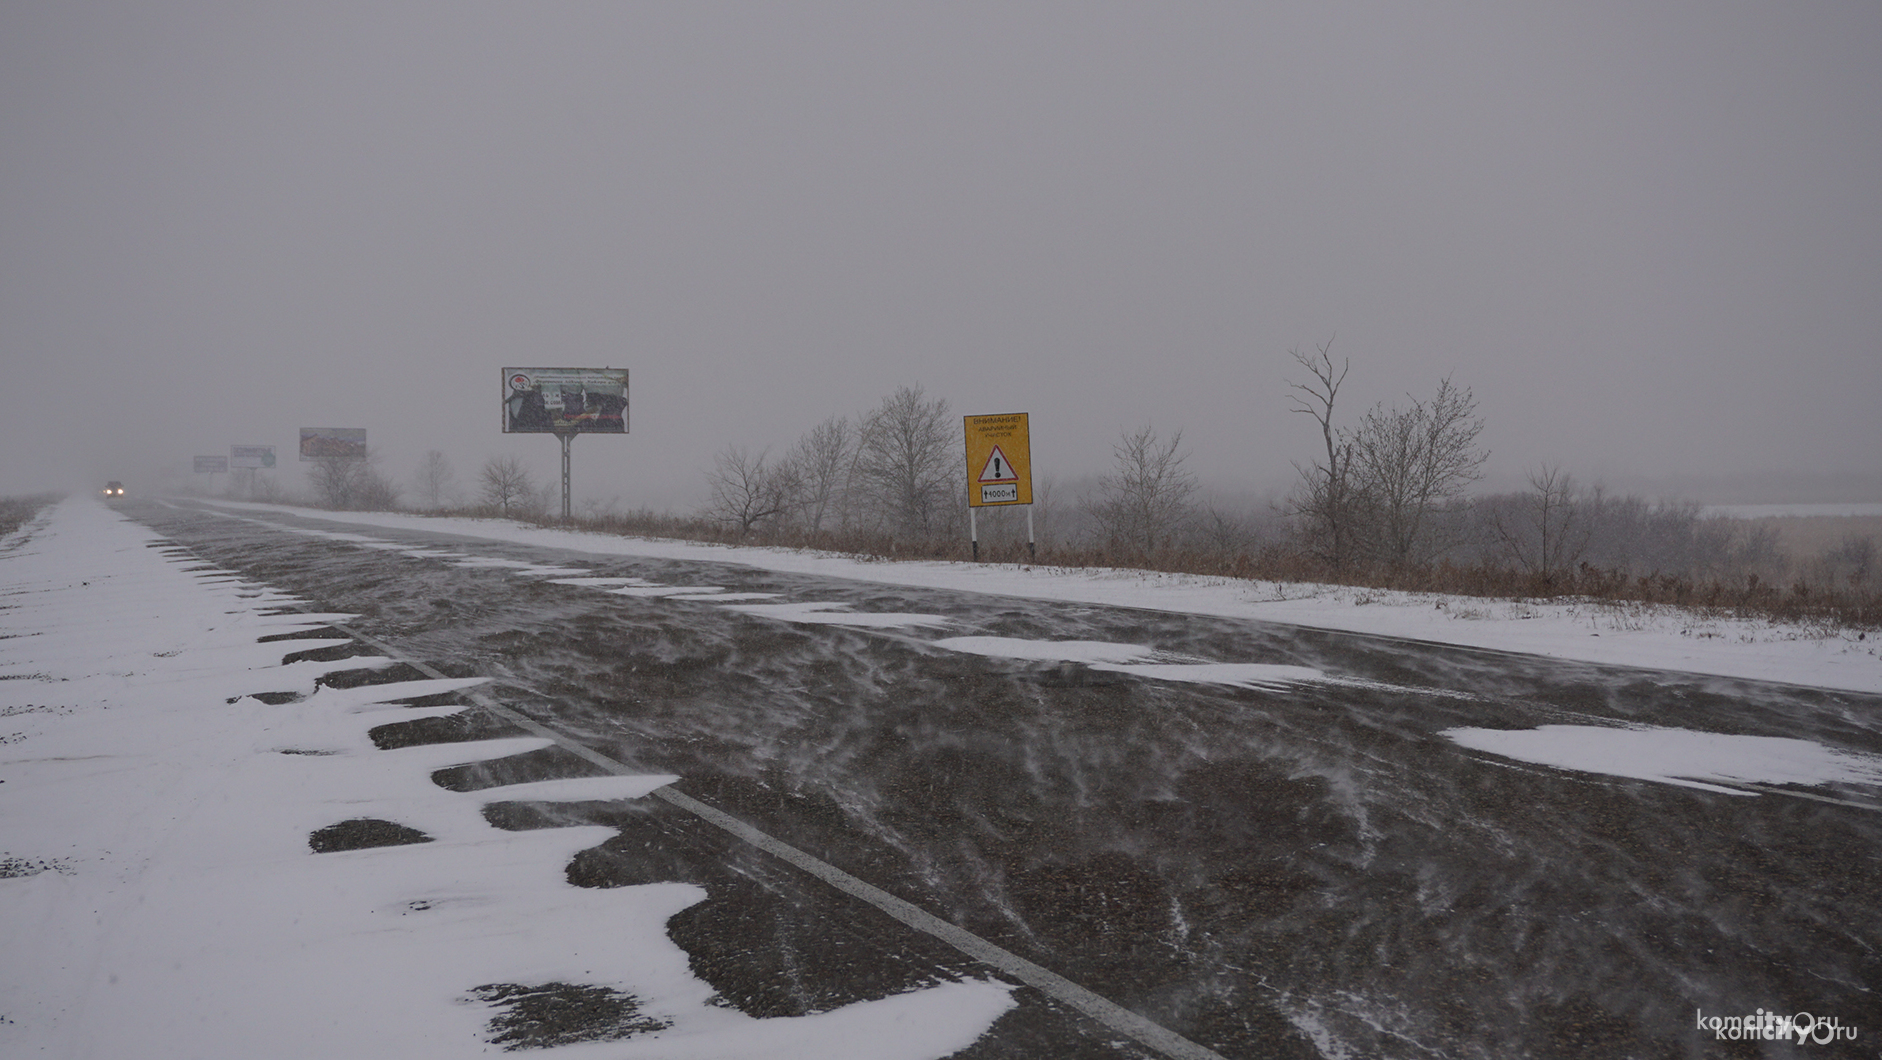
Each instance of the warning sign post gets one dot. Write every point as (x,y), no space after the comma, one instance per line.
(999,469)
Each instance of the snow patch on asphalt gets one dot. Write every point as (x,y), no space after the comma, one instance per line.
(1270,676)
(838,614)
(1075,651)
(516,566)
(170,901)
(1134,659)
(1676,756)
(668,590)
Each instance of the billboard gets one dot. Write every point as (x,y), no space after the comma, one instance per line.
(214,465)
(565,401)
(999,460)
(251,456)
(347,443)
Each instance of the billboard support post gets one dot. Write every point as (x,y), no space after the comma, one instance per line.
(567,438)
(212,466)
(249,459)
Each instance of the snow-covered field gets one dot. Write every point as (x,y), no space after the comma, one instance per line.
(1626,635)
(159,895)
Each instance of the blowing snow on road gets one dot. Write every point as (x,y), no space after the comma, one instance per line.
(275,785)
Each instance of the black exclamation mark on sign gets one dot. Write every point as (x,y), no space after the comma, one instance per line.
(997,473)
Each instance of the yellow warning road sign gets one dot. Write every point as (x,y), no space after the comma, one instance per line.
(999,460)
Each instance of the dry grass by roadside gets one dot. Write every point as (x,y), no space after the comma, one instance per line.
(1798,600)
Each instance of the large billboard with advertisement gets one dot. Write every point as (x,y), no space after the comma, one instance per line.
(212,465)
(251,456)
(347,443)
(565,401)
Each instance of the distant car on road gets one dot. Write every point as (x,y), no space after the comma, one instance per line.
(114,488)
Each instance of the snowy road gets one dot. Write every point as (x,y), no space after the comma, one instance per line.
(1271,841)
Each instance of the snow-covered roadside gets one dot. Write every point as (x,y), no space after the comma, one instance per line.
(159,896)
(1627,635)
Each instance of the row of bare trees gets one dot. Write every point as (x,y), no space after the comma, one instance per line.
(1387,494)
(504,485)
(893,471)
(352,483)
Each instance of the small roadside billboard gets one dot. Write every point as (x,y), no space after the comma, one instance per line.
(255,456)
(344,443)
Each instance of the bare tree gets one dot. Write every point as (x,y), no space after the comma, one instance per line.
(1149,497)
(436,478)
(820,465)
(1325,501)
(539,502)
(506,485)
(1851,562)
(335,479)
(746,493)
(906,464)
(1226,534)
(377,493)
(1409,462)
(1044,511)
(1547,533)
(345,483)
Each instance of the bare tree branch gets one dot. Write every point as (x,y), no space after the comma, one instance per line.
(905,463)
(745,492)
(352,483)
(1409,461)
(506,486)
(1325,500)
(821,463)
(1149,497)
(1549,532)
(435,478)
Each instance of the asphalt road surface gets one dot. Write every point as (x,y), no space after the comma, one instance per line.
(1294,870)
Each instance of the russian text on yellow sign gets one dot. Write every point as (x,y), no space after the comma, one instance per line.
(1011,475)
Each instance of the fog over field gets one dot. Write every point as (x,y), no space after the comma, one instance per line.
(1646,239)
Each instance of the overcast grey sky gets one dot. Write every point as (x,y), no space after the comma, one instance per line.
(1648,235)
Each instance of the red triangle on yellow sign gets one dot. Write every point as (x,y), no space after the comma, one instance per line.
(998,469)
